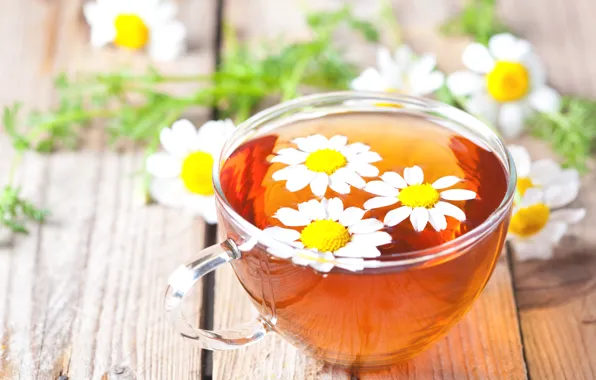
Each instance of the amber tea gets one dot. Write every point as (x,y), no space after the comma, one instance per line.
(345,195)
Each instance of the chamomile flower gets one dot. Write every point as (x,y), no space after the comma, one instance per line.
(404,72)
(545,174)
(422,202)
(321,163)
(535,227)
(507,82)
(330,235)
(182,174)
(137,24)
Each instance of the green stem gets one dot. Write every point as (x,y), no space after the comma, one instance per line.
(290,90)
(70,117)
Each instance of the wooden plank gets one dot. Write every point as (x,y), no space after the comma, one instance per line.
(557,298)
(82,296)
(486,344)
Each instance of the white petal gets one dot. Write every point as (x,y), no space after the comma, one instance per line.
(285,235)
(365,226)
(168,192)
(458,195)
(463,83)
(536,69)
(165,12)
(339,186)
(351,215)
(319,184)
(375,239)
(349,176)
(532,250)
(335,208)
(364,169)
(506,47)
(208,210)
(379,202)
(337,142)
(570,216)
(172,144)
(167,41)
(424,65)
(485,107)
(292,218)
(419,218)
(559,195)
(185,133)
(290,172)
(311,143)
(300,182)
(512,117)
(381,188)
(369,80)
(437,219)
(367,157)
(544,171)
(290,156)
(354,149)
(531,197)
(545,99)
(163,165)
(313,209)
(450,210)
(395,180)
(427,85)
(414,175)
(445,182)
(353,249)
(553,232)
(353,265)
(322,267)
(404,56)
(394,217)
(477,58)
(390,71)
(522,160)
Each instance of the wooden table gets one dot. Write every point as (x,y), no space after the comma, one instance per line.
(81,297)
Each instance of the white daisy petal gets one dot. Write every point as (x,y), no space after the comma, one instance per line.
(424,85)
(172,144)
(351,215)
(185,131)
(395,180)
(379,202)
(506,47)
(477,58)
(512,118)
(484,106)
(463,83)
(290,156)
(556,196)
(313,209)
(532,250)
(542,171)
(289,172)
(375,239)
(163,165)
(339,186)
(522,160)
(553,232)
(167,41)
(531,197)
(296,183)
(394,217)
(419,218)
(369,80)
(354,149)
(319,184)
(570,216)
(322,267)
(437,219)
(291,217)
(414,175)
(448,209)
(285,235)
(404,56)
(311,143)
(337,142)
(353,249)
(545,99)
(381,188)
(445,182)
(335,208)
(353,265)
(349,176)
(364,169)
(367,157)
(365,226)
(536,69)
(168,192)
(458,195)
(203,206)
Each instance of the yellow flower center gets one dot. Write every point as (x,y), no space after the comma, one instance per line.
(508,81)
(196,173)
(131,31)
(325,161)
(530,220)
(423,195)
(523,184)
(325,236)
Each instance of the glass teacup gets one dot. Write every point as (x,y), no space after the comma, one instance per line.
(358,311)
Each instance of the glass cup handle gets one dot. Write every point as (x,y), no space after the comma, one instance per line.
(181,282)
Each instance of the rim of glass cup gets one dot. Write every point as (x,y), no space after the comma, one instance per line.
(255,127)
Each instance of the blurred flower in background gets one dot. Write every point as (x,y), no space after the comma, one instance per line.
(507,82)
(404,73)
(182,174)
(136,25)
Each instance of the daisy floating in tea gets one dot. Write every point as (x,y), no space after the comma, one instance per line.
(136,25)
(321,163)
(420,201)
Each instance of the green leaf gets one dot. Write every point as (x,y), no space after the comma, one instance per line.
(15,211)
(478,19)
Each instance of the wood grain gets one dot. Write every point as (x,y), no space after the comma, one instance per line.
(82,296)
(485,345)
